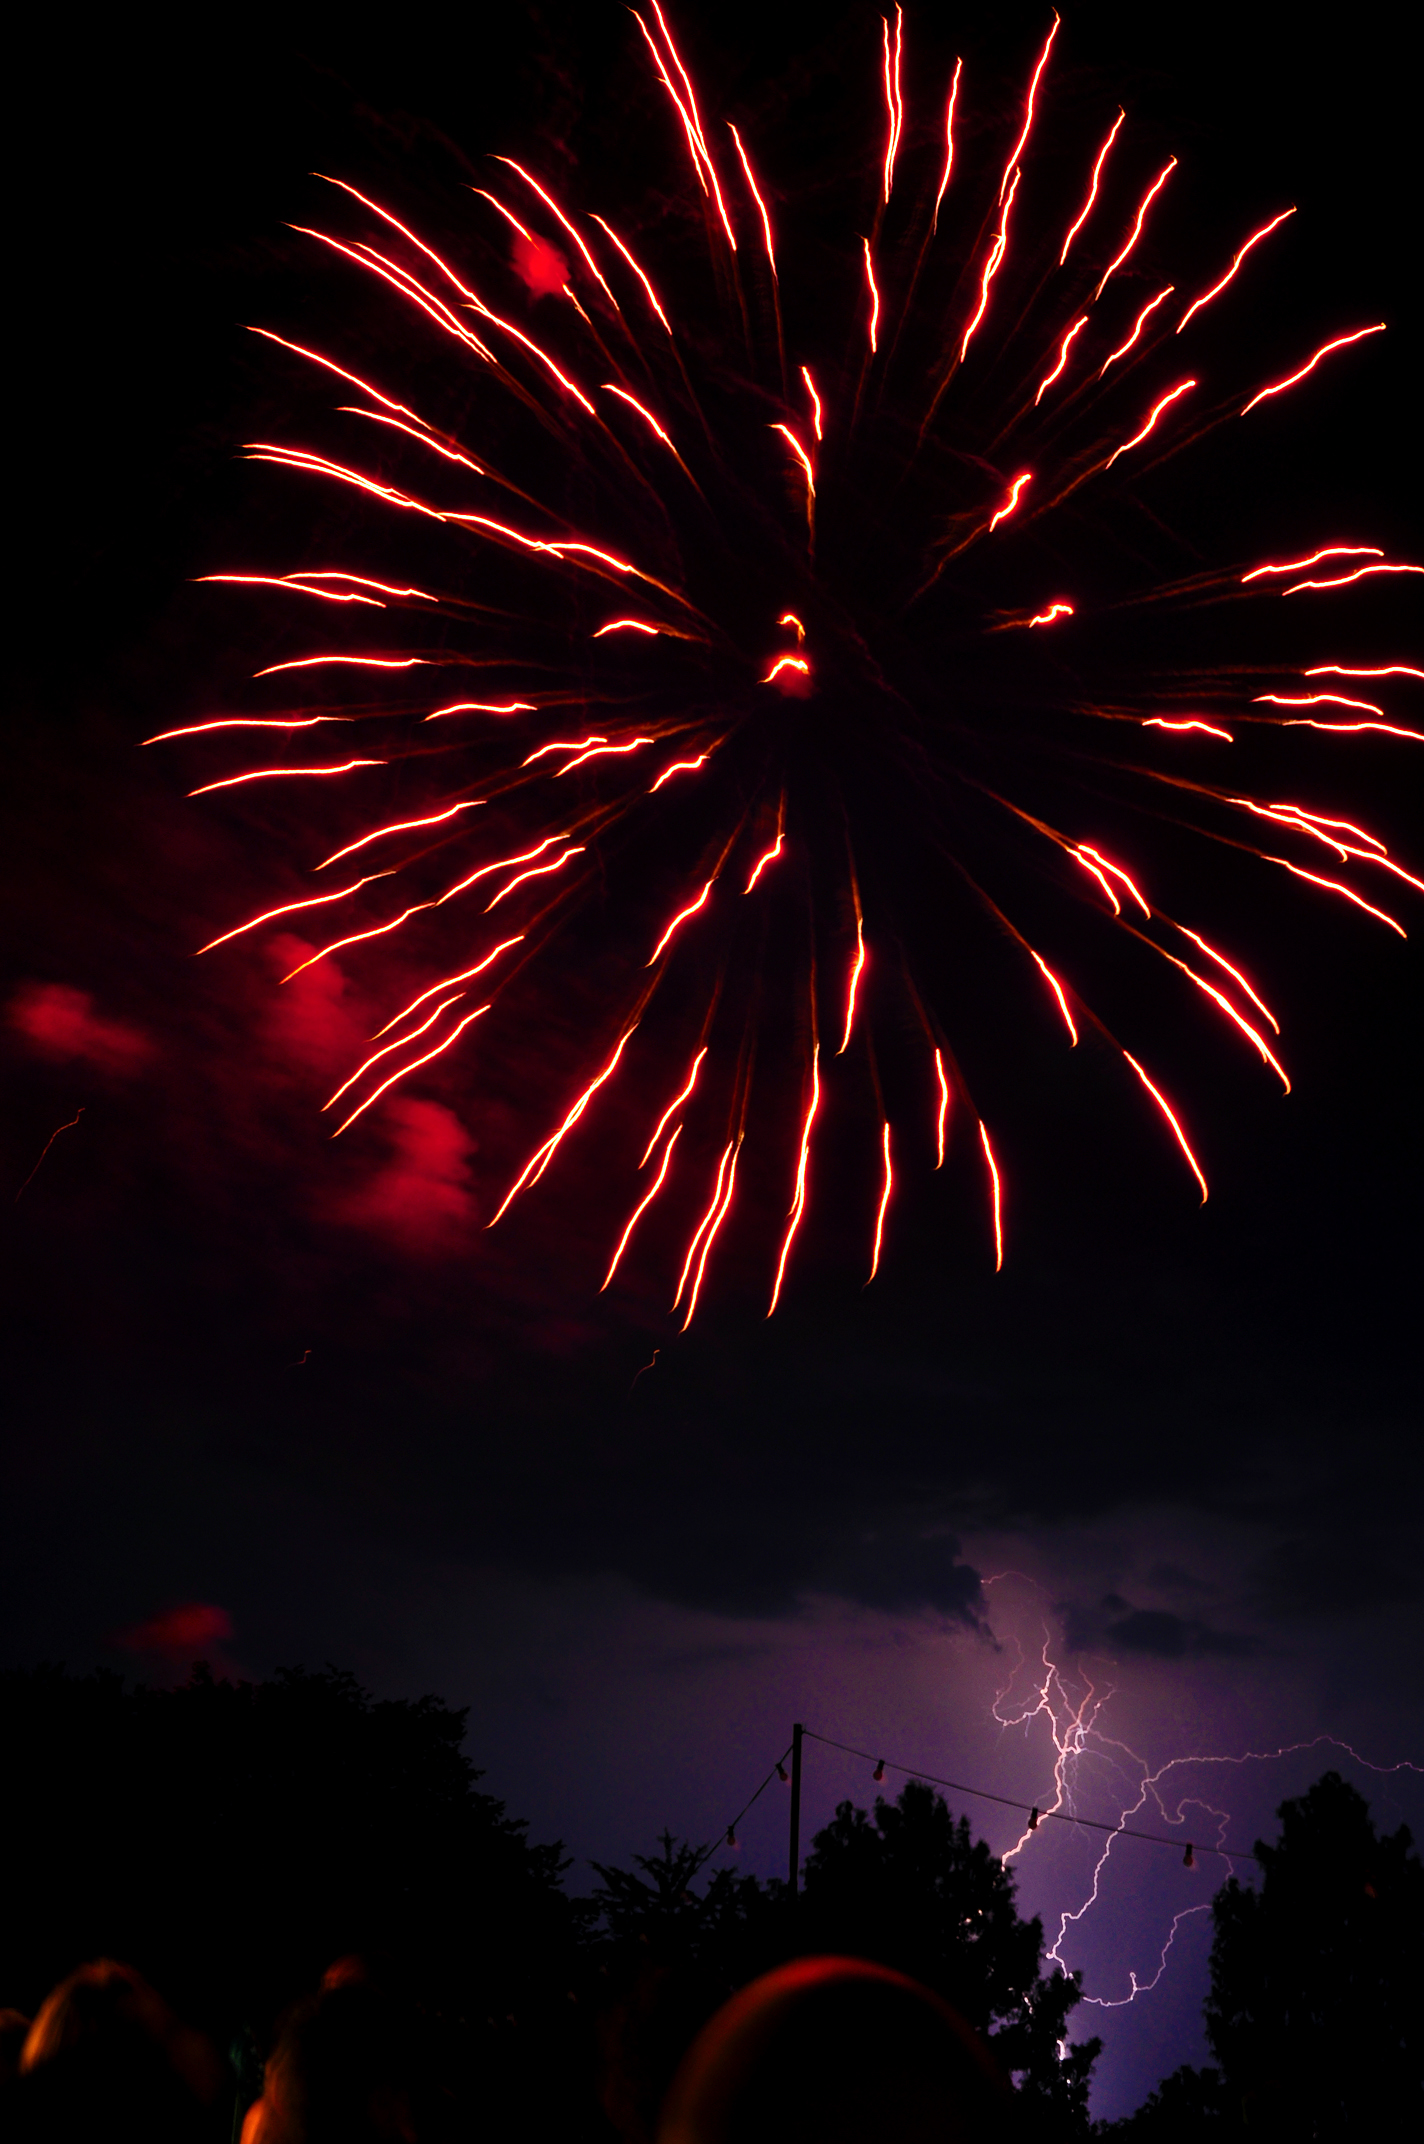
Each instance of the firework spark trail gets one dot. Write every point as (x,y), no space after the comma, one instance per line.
(67,1127)
(1340,342)
(1136,232)
(1078,1740)
(798,1204)
(1086,210)
(1138,325)
(1218,287)
(642,1206)
(616,398)
(948,145)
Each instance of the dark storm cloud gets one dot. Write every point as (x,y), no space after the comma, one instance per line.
(1113,1625)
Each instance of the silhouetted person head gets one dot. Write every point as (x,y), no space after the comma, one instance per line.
(342,2071)
(836,2051)
(106,2058)
(14,2030)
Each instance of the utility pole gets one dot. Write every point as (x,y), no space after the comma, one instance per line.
(796,1733)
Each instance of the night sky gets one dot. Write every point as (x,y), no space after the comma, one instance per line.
(301,1386)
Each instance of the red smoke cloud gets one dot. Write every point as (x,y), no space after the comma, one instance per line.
(541,266)
(421,1197)
(61,1022)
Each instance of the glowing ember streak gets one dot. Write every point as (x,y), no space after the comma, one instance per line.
(552,205)
(674,1105)
(1222,962)
(1157,408)
(652,295)
(789,617)
(998,1197)
(1340,342)
(538,871)
(507,213)
(1329,550)
(855,974)
(1099,863)
(798,1204)
(815,403)
(318,465)
(1217,288)
(399,826)
(1219,998)
(641,1208)
(1314,823)
(338,945)
(267,774)
(1160,722)
(894,103)
(681,917)
(359,662)
(296,588)
(1054,611)
(756,196)
(1057,988)
(1086,210)
(466,975)
(711,1235)
(680,766)
(943,1109)
(354,379)
(562,744)
(884,1202)
(539,1160)
(991,267)
(706,1222)
(762,861)
(1017,151)
(1068,341)
(1136,232)
(1011,498)
(361,580)
(418,433)
(1140,323)
(502,864)
(1332,885)
(1166,1108)
(406,1070)
(398,1044)
(1315,699)
(688,113)
(627,625)
(603,750)
(1345,729)
(874,294)
(482,707)
(246,722)
(801,455)
(948,143)
(290,908)
(1347,580)
(1382,670)
(646,414)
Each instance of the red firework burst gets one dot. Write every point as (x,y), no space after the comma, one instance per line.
(767,564)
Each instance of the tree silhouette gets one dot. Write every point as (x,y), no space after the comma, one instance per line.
(911,1889)
(231,1839)
(1314,2014)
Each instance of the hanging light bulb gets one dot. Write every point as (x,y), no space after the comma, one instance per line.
(1033,1818)
(731,1835)
(879,1772)
(782,1774)
(1189,1859)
